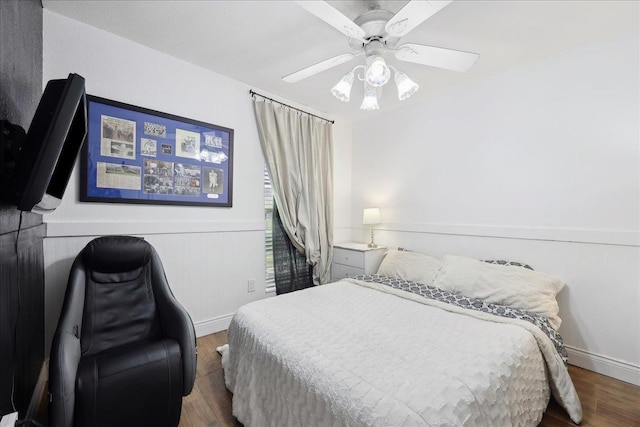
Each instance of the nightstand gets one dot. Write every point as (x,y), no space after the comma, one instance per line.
(353,259)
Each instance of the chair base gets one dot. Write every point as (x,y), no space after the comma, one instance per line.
(138,384)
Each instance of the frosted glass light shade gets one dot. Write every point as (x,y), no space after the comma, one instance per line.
(370,100)
(377,73)
(371,216)
(342,90)
(406,86)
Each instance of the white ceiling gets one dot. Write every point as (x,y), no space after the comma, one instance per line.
(258,42)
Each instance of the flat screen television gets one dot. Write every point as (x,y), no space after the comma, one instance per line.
(44,160)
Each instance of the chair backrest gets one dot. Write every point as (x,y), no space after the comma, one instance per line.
(119,306)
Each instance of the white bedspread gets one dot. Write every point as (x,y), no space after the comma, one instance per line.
(355,354)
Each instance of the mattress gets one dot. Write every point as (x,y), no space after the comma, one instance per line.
(354,353)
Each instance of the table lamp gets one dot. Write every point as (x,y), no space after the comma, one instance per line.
(371,216)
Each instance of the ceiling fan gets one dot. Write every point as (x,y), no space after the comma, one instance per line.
(373,33)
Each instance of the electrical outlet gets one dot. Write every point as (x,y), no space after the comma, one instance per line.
(251,285)
(9,420)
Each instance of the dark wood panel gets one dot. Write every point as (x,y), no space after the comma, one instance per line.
(21,301)
(10,217)
(21,64)
(30,340)
(20,91)
(8,299)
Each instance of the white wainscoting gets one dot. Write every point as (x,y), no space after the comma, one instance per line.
(600,302)
(207,264)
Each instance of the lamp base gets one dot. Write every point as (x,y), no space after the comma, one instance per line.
(371,243)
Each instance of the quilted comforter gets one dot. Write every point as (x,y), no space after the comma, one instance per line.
(356,353)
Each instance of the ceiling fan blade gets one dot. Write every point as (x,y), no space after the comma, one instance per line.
(333,17)
(448,59)
(319,67)
(413,14)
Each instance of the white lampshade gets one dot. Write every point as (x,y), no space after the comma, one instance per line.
(406,86)
(342,90)
(377,73)
(371,216)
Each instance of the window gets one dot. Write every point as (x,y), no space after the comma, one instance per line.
(268,235)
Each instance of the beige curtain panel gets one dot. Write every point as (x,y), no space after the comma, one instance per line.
(298,149)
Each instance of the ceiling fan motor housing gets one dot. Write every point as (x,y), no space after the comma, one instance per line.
(374,47)
(373,23)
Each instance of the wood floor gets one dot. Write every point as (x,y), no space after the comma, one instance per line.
(605,402)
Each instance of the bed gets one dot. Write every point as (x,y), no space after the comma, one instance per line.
(389,350)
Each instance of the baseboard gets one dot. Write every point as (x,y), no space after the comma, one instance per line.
(604,365)
(213,325)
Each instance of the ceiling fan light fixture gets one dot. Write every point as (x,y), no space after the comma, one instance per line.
(370,100)
(375,33)
(342,90)
(406,86)
(377,73)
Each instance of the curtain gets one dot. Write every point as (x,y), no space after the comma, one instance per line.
(298,149)
(291,270)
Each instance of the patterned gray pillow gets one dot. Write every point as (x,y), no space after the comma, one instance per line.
(503,262)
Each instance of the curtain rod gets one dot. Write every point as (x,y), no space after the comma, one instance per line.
(286,105)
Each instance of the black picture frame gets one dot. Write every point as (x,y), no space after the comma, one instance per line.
(138,155)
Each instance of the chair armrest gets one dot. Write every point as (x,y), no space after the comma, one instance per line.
(175,322)
(66,351)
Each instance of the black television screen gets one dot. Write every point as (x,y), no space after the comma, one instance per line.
(48,154)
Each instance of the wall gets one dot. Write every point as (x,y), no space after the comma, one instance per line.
(21,271)
(209,254)
(539,164)
(342,179)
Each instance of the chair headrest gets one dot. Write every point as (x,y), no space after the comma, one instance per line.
(116,254)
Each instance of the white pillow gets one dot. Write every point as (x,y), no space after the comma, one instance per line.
(512,286)
(411,266)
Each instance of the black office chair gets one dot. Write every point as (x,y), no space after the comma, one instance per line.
(124,352)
